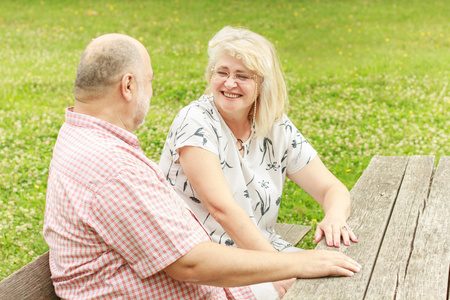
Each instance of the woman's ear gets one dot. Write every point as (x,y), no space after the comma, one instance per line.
(126,87)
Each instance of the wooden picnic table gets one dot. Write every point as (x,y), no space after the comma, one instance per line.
(401,215)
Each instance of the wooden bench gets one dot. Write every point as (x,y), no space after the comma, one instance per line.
(401,214)
(32,282)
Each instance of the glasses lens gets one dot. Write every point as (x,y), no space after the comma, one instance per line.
(222,74)
(243,78)
(239,78)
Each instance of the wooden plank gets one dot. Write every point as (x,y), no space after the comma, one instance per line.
(393,257)
(32,282)
(427,275)
(291,233)
(373,197)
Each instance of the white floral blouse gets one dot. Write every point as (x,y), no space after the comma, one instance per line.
(256,178)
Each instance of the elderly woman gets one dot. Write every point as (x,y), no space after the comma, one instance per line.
(228,153)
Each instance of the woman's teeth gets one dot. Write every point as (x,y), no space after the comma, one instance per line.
(231,95)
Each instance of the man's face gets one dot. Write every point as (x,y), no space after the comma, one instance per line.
(143,104)
(145,93)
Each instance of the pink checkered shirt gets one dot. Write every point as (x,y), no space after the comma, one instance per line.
(111,221)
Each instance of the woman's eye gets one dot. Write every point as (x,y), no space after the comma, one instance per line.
(243,77)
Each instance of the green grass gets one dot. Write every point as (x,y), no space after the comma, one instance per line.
(365,78)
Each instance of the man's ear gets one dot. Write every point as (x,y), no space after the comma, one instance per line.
(126,88)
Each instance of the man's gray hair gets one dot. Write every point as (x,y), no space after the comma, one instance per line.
(103,63)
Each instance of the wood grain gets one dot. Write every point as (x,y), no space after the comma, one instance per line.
(394,255)
(291,233)
(373,198)
(32,282)
(427,275)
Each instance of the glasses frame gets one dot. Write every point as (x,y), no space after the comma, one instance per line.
(234,76)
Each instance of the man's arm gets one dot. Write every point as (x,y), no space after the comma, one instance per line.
(213,264)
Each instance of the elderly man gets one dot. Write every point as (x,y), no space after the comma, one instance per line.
(114,227)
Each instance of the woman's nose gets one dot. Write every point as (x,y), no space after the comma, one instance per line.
(230,82)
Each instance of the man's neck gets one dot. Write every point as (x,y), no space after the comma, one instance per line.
(103,110)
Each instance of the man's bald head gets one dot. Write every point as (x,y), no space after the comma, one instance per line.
(104,61)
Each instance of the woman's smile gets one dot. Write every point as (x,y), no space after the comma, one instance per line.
(233,87)
(230,95)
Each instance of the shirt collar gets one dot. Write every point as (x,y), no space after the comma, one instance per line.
(86,121)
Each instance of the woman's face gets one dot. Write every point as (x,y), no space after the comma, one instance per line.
(234,95)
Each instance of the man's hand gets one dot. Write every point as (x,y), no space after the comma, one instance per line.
(322,263)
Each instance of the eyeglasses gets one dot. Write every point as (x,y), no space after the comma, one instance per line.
(239,78)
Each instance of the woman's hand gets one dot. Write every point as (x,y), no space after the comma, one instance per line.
(333,228)
(334,198)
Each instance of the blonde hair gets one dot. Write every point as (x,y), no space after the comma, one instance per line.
(258,55)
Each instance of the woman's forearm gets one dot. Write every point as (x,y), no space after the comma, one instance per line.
(337,200)
(334,198)
(203,170)
(324,187)
(238,225)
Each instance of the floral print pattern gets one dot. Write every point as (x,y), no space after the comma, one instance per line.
(256,179)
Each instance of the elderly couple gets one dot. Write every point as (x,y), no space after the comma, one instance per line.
(201,224)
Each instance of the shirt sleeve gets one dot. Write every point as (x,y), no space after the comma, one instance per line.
(300,152)
(143,220)
(195,125)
